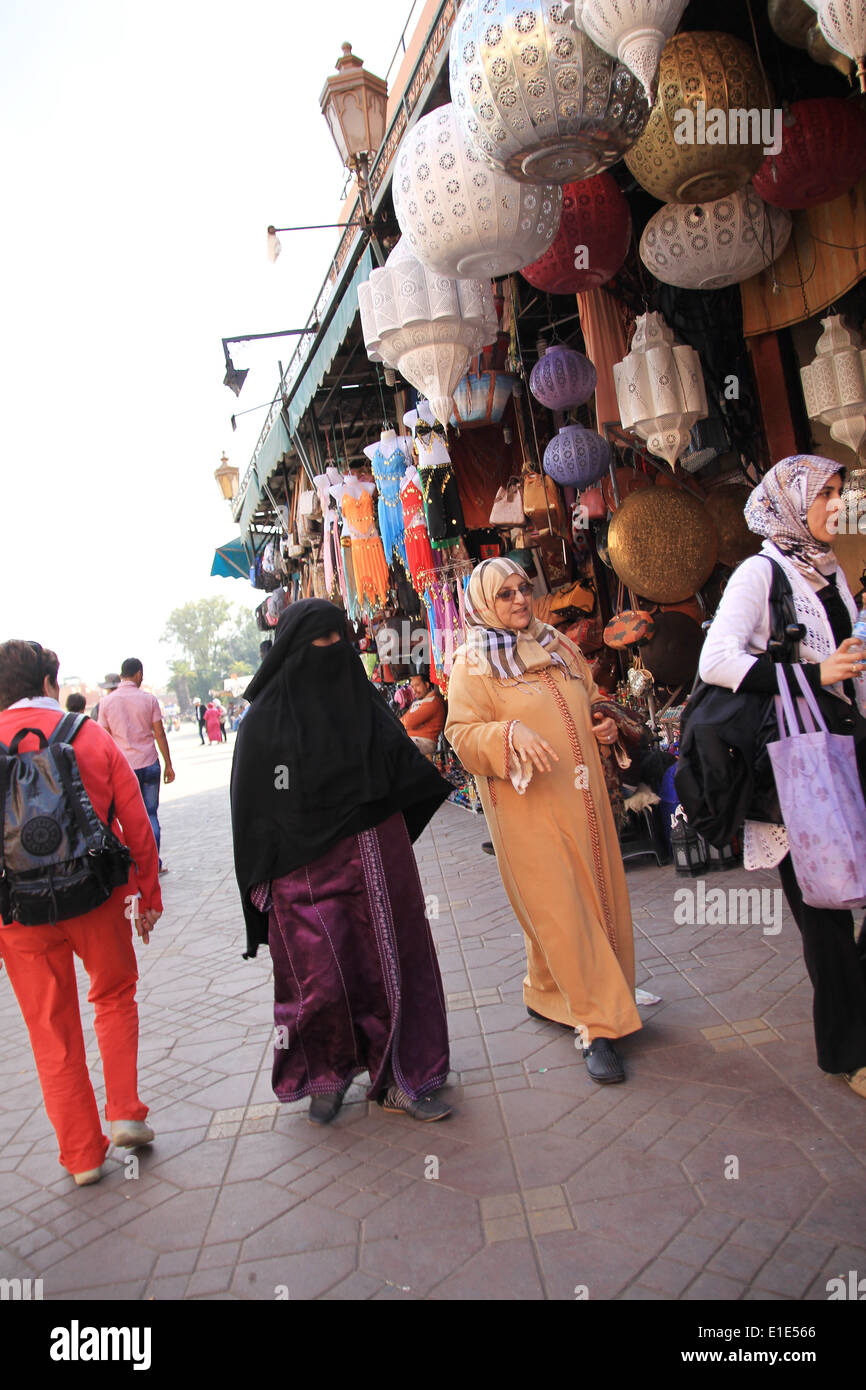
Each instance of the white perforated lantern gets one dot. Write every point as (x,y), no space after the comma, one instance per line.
(834,383)
(706,246)
(635,31)
(536,96)
(843,24)
(460,216)
(660,388)
(427,326)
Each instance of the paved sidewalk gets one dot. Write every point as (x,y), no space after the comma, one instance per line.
(727,1167)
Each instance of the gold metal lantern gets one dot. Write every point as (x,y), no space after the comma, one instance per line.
(663,544)
(701,142)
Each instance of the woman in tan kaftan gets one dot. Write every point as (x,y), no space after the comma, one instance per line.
(519,701)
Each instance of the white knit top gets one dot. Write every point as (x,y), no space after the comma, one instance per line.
(741,631)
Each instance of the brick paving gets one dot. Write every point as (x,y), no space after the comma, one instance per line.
(547,1184)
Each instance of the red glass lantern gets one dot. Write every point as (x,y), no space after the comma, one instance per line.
(592,241)
(823,154)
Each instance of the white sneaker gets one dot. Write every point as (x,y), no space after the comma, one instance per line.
(129,1134)
(85,1179)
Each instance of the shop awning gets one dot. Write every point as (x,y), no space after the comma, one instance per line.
(314,373)
(230,561)
(275,446)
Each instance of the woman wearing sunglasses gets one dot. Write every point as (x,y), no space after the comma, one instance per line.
(520,719)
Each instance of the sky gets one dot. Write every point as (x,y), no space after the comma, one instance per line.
(145,150)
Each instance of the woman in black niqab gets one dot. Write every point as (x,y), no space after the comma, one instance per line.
(327,792)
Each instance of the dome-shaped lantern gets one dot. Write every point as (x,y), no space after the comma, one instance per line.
(843,24)
(660,388)
(536,96)
(592,242)
(460,217)
(834,383)
(707,84)
(425,325)
(823,154)
(708,246)
(577,457)
(635,31)
(562,378)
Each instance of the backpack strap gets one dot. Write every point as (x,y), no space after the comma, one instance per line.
(68,728)
(784,643)
(22,734)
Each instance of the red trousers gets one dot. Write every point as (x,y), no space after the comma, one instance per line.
(41,968)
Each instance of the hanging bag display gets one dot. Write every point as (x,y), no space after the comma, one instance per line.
(822,803)
(543,504)
(507,509)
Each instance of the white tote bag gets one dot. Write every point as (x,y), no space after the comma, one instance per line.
(821,801)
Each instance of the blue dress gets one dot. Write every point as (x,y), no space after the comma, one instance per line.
(389,470)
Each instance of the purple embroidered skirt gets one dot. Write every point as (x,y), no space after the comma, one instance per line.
(356,982)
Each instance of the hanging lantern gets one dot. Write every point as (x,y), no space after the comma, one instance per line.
(481,399)
(577,457)
(834,383)
(663,544)
(460,217)
(843,24)
(536,96)
(635,31)
(714,244)
(795,23)
(660,389)
(427,326)
(704,78)
(823,154)
(592,242)
(820,51)
(562,378)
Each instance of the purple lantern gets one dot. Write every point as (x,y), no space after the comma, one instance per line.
(562,378)
(577,457)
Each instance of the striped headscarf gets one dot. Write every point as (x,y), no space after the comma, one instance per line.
(778,505)
(504,652)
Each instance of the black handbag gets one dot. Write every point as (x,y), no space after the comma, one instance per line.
(723,774)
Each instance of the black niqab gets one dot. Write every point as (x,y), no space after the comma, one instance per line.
(318,756)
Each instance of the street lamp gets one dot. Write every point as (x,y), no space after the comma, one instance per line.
(355,105)
(227,478)
(235,377)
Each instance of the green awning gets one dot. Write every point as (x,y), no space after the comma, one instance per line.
(314,373)
(275,446)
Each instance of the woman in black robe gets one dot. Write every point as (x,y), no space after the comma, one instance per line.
(327,792)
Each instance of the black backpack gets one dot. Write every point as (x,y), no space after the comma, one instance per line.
(723,774)
(57,858)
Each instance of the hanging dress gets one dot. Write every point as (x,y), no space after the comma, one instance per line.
(368,557)
(417,538)
(439,485)
(388,459)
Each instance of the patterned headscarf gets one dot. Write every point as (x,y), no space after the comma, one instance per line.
(502,651)
(778,505)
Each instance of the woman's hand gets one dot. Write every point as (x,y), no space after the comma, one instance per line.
(847,661)
(145,921)
(531,747)
(606,730)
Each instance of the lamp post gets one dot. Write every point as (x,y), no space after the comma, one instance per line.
(355,104)
(235,377)
(227,478)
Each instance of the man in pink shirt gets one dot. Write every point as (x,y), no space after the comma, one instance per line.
(134,720)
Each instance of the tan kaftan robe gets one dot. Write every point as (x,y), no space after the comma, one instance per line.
(555,843)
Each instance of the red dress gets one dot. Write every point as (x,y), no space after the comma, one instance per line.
(418,549)
(212,720)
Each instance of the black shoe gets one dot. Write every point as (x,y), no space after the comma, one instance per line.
(542,1018)
(487,846)
(602,1062)
(324,1108)
(427,1109)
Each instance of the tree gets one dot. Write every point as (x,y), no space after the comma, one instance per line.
(212,639)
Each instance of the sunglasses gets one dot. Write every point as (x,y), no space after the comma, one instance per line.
(509,595)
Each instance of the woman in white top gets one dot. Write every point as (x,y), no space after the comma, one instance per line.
(795,508)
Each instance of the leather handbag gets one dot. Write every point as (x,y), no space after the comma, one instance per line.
(592,499)
(587,634)
(507,509)
(543,504)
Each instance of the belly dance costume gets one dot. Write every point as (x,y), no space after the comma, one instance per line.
(439,485)
(388,459)
(368,557)
(419,555)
